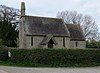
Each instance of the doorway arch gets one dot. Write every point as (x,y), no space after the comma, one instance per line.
(50,43)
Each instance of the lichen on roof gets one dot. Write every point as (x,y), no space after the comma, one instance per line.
(44,26)
(75,32)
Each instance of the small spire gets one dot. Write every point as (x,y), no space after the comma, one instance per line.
(22,5)
(22,8)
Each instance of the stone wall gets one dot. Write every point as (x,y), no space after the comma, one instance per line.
(59,42)
(80,44)
(38,39)
(67,42)
(22,37)
(36,42)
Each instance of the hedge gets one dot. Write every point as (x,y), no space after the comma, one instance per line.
(55,56)
(3,54)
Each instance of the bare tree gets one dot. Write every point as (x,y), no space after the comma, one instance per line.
(89,27)
(70,17)
(88,24)
(10,14)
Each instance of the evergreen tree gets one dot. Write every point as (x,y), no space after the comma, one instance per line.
(8,33)
(9,18)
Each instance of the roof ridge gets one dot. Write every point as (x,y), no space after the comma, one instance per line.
(42,17)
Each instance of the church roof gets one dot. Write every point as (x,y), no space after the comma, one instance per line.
(44,26)
(75,32)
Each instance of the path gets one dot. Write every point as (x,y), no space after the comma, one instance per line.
(6,69)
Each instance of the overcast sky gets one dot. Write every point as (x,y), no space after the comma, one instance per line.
(51,7)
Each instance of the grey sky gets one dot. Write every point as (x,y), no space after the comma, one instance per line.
(51,7)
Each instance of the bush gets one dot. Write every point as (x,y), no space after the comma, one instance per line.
(1,42)
(55,57)
(93,44)
(3,54)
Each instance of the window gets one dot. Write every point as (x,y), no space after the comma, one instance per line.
(63,41)
(76,44)
(31,40)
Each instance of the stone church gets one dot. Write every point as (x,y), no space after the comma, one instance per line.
(45,32)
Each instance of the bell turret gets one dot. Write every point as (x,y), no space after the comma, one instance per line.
(22,8)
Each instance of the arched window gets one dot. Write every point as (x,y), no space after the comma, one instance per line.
(63,41)
(76,44)
(31,40)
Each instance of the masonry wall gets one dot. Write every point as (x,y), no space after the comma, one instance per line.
(22,37)
(38,39)
(80,44)
(60,42)
(67,42)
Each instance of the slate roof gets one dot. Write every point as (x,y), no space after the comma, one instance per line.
(75,32)
(44,26)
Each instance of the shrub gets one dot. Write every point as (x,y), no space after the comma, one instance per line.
(55,56)
(93,44)
(1,41)
(3,54)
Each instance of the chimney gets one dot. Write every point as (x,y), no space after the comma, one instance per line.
(22,8)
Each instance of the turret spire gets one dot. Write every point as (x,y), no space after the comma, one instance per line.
(22,8)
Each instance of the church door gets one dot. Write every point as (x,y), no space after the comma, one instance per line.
(50,43)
